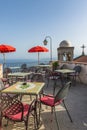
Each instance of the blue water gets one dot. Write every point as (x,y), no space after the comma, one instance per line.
(19,62)
(28,62)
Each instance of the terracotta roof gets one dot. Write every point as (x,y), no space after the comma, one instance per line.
(82,58)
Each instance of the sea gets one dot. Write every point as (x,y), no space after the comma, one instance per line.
(28,62)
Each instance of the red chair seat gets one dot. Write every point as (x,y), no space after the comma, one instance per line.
(47,100)
(18,114)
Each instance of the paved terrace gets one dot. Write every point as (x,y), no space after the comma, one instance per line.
(77,105)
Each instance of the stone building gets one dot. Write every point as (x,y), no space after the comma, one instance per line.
(65,51)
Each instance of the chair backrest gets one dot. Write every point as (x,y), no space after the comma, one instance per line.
(32,69)
(37,78)
(64,66)
(7,70)
(62,93)
(39,70)
(77,69)
(23,66)
(13,106)
(48,72)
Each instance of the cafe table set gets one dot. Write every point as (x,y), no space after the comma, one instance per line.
(24,88)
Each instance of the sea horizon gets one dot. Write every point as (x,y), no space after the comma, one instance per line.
(28,62)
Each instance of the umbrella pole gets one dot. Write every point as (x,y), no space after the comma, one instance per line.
(4,60)
(38,58)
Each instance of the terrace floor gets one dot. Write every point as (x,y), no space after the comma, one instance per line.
(77,105)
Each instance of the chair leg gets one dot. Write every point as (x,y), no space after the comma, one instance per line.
(26,125)
(39,103)
(56,119)
(35,120)
(51,119)
(54,86)
(6,123)
(47,83)
(67,112)
(37,113)
(79,78)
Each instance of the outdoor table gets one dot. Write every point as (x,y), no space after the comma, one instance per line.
(15,69)
(43,66)
(19,75)
(33,88)
(64,72)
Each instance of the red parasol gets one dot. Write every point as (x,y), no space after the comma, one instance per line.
(6,49)
(38,49)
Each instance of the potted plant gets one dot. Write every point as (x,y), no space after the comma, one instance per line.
(55,65)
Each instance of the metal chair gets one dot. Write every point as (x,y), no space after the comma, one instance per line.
(2,86)
(64,66)
(32,69)
(75,74)
(24,68)
(6,71)
(52,101)
(37,77)
(16,111)
(51,75)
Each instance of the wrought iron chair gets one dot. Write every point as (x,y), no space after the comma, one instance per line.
(32,69)
(6,71)
(5,78)
(16,111)
(75,74)
(37,77)
(51,75)
(3,86)
(24,68)
(59,98)
(64,66)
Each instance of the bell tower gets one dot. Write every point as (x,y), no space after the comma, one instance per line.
(65,51)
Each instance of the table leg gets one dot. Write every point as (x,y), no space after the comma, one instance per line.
(37,112)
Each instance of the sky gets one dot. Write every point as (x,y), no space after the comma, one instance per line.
(26,23)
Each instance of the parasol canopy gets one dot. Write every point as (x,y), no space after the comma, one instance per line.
(6,49)
(38,49)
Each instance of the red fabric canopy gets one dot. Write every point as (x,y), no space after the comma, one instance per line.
(6,48)
(38,49)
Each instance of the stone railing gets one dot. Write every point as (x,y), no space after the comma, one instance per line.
(83,73)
